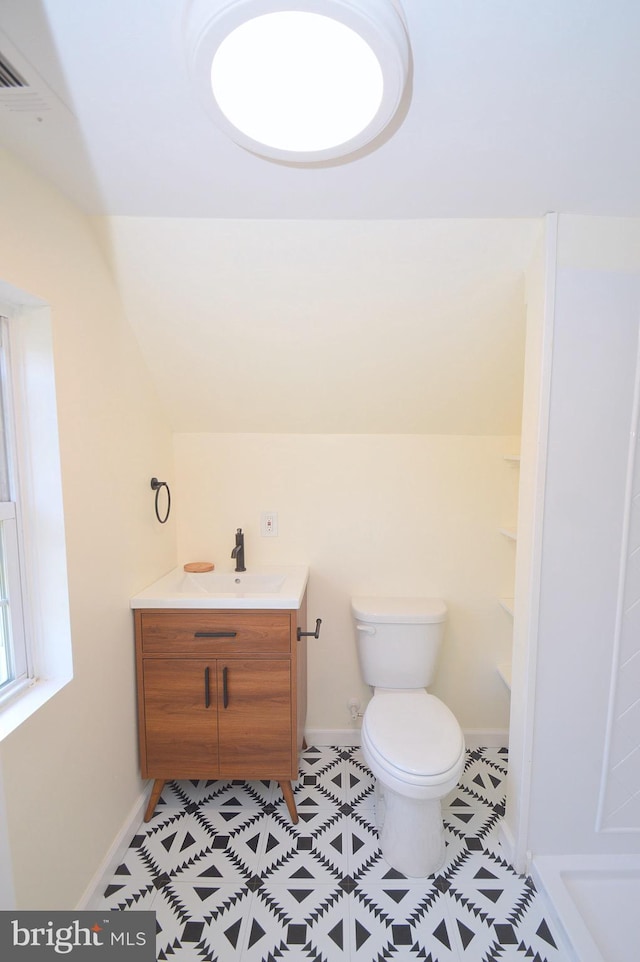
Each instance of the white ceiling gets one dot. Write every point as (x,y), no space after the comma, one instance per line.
(519,107)
(404,312)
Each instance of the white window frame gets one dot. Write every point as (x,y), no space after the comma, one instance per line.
(20,663)
(39,516)
(14,604)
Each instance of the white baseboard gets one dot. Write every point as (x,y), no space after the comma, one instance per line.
(473,738)
(486,738)
(346,737)
(92,895)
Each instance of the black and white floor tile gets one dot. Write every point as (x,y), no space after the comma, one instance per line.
(232,880)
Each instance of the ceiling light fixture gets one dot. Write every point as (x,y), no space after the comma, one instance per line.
(303,81)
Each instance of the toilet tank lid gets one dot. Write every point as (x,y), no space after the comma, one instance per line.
(407,611)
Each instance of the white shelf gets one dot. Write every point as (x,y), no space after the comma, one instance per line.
(507,604)
(510,533)
(514,458)
(504,671)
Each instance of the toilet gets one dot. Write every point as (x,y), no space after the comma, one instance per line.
(411,741)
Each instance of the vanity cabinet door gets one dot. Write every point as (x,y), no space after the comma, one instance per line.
(255,718)
(180,718)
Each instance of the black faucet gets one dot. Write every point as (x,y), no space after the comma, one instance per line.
(238,551)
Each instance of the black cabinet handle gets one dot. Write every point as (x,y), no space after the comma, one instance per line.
(215,634)
(207,692)
(225,687)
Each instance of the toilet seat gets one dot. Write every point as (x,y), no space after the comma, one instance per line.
(414,737)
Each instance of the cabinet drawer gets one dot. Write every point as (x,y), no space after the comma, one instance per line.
(210,633)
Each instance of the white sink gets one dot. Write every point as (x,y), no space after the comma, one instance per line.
(222,582)
(280,586)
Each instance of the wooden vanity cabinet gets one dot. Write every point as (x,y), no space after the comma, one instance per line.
(221,694)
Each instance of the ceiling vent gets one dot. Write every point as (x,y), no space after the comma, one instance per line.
(9,76)
(19,95)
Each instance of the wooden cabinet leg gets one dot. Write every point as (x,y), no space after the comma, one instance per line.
(156,792)
(287,792)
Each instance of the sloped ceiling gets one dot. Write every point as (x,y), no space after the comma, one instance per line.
(329,326)
(380,295)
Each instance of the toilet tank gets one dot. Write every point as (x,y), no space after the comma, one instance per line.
(398,639)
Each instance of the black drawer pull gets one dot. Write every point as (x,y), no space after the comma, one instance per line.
(207,694)
(215,634)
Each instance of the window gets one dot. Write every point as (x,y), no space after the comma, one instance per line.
(35,632)
(14,660)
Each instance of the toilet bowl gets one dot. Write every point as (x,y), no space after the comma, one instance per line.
(415,749)
(411,741)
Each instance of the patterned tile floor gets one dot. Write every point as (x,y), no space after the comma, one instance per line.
(232,880)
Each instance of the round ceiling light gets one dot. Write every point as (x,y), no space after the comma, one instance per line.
(303,81)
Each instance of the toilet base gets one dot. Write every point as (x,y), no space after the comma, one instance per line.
(411,832)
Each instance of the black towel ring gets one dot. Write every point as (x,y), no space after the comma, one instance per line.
(156,485)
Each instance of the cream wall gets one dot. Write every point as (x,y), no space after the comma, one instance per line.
(70,772)
(370,514)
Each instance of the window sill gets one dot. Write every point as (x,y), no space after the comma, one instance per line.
(27,702)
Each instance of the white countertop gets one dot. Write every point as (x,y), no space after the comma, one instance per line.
(261,586)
